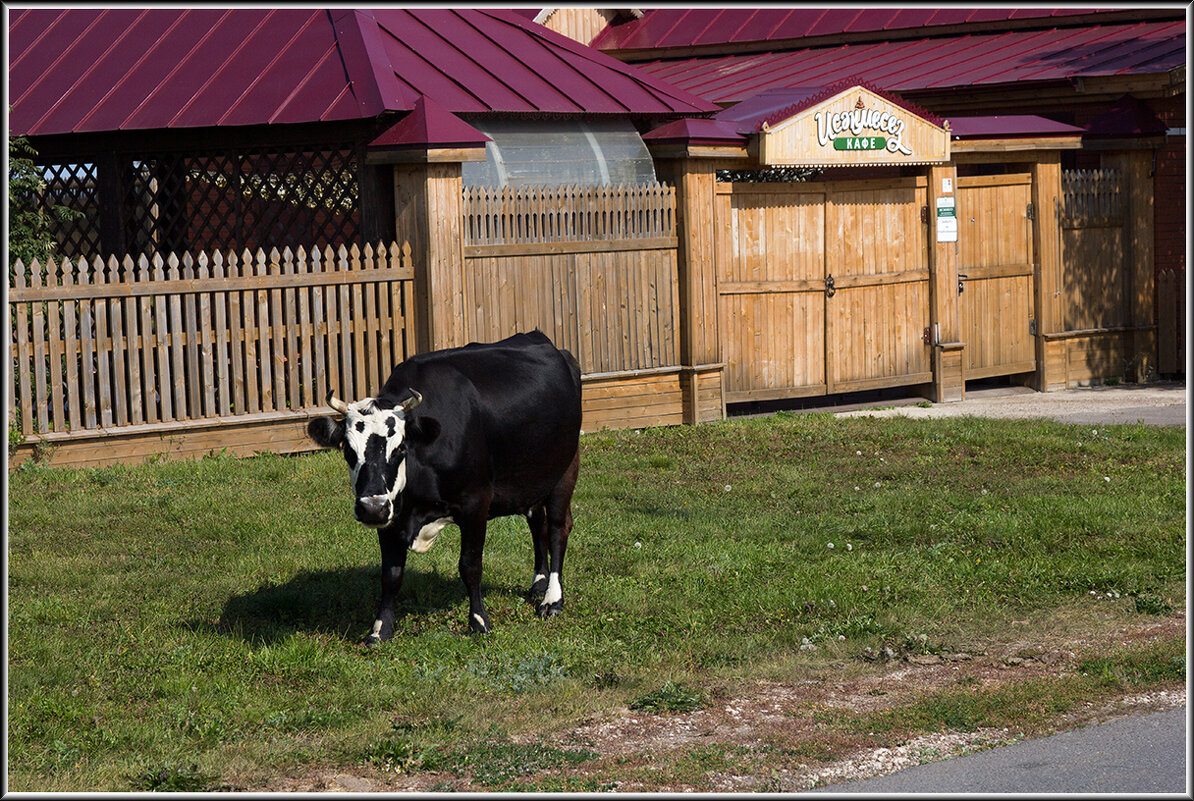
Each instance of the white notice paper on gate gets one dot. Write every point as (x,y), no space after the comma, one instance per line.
(947,221)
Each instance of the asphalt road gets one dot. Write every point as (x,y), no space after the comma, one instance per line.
(1144,754)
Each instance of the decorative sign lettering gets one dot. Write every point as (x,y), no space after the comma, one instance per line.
(856,127)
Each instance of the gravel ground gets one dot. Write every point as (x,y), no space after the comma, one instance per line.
(1153,404)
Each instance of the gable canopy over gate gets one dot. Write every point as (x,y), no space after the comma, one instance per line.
(847,124)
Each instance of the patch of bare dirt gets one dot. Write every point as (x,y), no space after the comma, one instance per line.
(775,718)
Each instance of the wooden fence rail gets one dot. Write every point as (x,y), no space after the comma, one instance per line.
(170,340)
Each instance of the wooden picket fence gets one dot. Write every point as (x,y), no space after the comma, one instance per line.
(155,345)
(521,215)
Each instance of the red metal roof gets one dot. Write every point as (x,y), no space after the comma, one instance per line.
(1009,125)
(680,27)
(88,69)
(955,61)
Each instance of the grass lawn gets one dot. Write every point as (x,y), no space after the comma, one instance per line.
(197,625)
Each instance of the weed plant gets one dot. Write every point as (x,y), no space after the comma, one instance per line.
(208,614)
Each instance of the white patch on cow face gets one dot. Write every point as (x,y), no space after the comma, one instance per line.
(364,423)
(428,533)
(554,591)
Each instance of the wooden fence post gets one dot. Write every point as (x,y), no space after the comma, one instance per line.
(428,213)
(949,383)
(700,344)
(1051,356)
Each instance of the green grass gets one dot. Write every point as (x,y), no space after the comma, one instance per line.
(196,625)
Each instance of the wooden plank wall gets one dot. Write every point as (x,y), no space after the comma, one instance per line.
(594,268)
(111,353)
(1171,322)
(1095,316)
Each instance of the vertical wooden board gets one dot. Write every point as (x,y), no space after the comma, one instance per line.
(87,354)
(321,324)
(385,322)
(348,378)
(304,373)
(70,335)
(134,348)
(294,360)
(161,327)
(220,353)
(269,331)
(238,336)
(359,320)
(249,325)
(192,344)
(24,354)
(55,348)
(149,379)
(206,343)
(120,402)
(369,327)
(177,342)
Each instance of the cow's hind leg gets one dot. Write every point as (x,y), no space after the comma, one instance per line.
(537,520)
(472,543)
(559,526)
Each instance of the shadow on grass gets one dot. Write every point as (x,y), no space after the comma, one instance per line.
(340,603)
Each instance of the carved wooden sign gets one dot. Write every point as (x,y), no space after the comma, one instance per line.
(855,127)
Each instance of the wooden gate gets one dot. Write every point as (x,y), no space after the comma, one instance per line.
(995,262)
(823,287)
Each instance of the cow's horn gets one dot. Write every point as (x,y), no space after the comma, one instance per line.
(414,400)
(337,404)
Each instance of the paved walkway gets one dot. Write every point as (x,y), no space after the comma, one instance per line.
(1144,754)
(1162,403)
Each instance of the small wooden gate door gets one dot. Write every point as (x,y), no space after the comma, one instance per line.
(995,270)
(877,267)
(823,287)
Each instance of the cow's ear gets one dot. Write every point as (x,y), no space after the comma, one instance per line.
(421,430)
(327,432)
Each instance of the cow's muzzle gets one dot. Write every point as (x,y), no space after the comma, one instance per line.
(374,511)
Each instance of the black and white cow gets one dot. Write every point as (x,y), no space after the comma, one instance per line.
(463,436)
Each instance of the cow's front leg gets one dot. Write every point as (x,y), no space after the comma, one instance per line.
(472,543)
(393,563)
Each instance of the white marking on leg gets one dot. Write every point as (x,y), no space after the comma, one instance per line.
(480,620)
(376,634)
(428,533)
(538,577)
(554,592)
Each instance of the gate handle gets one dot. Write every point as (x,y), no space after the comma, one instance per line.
(829,290)
(961,286)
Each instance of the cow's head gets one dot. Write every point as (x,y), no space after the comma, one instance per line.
(373,434)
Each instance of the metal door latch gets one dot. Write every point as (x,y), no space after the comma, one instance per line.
(829,290)
(961,285)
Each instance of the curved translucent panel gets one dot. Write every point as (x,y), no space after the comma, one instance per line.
(560,152)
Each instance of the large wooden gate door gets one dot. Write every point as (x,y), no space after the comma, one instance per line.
(771,289)
(877,264)
(995,270)
(822,287)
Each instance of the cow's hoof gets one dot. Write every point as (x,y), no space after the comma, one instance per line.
(537,590)
(550,610)
(477,624)
(373,640)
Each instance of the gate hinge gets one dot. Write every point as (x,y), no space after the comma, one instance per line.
(1031,211)
(1032,328)
(927,336)
(924,214)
